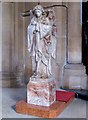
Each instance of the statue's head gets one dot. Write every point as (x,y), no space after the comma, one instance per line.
(38,10)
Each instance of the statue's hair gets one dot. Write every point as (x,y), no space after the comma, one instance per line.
(38,7)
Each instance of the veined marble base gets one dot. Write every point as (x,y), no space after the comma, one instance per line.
(41,91)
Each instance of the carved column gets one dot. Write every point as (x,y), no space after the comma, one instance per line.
(74,33)
(7,16)
(19,44)
(74,71)
(13,44)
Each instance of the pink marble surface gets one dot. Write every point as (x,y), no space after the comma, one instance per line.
(41,92)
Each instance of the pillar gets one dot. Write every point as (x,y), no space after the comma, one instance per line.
(74,71)
(12,44)
(8,77)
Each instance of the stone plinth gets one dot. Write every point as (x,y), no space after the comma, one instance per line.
(41,91)
(75,76)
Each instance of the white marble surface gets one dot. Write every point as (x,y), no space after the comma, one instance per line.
(41,92)
(41,34)
(77,109)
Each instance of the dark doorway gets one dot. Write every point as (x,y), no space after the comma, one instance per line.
(85,34)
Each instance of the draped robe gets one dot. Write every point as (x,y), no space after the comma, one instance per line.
(41,46)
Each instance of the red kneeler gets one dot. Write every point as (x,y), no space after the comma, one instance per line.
(64,96)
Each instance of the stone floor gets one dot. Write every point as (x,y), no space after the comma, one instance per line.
(77,109)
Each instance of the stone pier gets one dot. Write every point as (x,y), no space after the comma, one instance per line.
(74,71)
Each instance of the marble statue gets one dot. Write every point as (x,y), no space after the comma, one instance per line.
(41,89)
(42,42)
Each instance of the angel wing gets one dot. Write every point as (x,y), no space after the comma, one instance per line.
(51,16)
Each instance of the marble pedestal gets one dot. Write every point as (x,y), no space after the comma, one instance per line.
(41,92)
(52,111)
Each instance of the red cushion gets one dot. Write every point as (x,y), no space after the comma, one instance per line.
(64,96)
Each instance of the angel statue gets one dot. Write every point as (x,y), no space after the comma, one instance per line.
(41,34)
